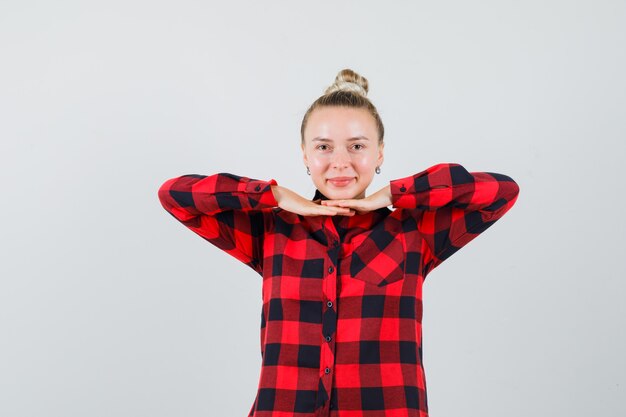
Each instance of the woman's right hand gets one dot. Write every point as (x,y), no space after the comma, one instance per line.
(290,201)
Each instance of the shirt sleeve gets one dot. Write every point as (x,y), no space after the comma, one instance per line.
(453,206)
(227,210)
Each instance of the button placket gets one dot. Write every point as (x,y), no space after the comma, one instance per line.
(330,317)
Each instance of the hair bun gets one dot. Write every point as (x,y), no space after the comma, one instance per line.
(349,80)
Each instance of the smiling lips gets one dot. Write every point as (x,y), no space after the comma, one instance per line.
(340,181)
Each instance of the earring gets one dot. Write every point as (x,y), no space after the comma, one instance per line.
(307,171)
(378,170)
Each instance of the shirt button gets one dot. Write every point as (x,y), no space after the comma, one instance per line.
(257,188)
(402,189)
(329,303)
(327,370)
(331,269)
(328,338)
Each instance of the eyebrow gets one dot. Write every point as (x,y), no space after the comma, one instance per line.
(321,139)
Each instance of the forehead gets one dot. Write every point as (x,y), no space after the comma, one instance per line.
(340,123)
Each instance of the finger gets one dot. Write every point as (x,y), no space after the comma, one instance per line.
(344,204)
(330,210)
(342,209)
(339,211)
(345,211)
(349,204)
(336,203)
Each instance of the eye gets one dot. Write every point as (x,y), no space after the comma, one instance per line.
(360,146)
(322,147)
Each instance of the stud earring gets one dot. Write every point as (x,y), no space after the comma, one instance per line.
(307,171)
(378,170)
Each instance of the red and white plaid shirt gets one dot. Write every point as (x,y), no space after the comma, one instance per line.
(341,323)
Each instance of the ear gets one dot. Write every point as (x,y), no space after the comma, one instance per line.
(381,156)
(304,158)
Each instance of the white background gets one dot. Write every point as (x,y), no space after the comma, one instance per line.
(109,307)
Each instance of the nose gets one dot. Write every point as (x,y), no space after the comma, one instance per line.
(340,159)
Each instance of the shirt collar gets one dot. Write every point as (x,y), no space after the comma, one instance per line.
(319,196)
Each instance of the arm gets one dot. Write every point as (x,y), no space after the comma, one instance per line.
(453,206)
(224,209)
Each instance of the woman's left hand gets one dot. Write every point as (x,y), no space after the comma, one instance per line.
(381,198)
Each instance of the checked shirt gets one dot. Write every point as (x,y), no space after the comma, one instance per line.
(341,319)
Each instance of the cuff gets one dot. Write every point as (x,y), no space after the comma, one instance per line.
(263,189)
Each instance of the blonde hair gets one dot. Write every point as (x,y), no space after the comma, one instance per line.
(349,90)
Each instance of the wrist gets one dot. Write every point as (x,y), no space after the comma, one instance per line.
(278,192)
(384,195)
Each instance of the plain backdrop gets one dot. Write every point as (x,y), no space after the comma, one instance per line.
(110,307)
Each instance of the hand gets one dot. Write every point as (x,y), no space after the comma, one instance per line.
(381,198)
(290,201)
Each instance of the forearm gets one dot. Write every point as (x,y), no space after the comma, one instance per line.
(280,193)
(451,185)
(382,197)
(189,196)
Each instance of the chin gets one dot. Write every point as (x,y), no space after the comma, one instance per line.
(341,194)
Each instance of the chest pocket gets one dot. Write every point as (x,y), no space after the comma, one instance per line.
(377,257)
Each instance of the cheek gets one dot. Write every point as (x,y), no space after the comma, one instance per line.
(318,163)
(365,162)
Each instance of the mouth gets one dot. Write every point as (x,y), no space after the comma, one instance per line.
(340,181)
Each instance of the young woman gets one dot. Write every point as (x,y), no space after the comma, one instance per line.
(341,330)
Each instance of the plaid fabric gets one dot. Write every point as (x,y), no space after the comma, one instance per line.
(341,331)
